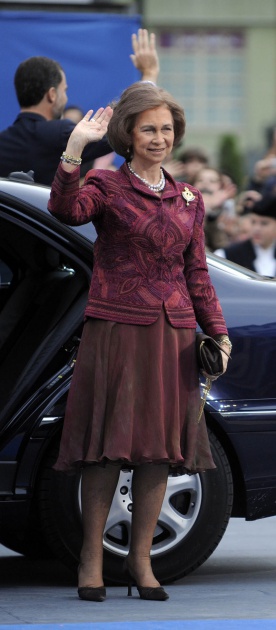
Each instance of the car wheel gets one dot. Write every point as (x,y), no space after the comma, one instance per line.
(194,515)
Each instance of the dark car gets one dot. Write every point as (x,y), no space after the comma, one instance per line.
(46,269)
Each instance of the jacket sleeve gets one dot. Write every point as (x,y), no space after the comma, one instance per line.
(206,305)
(74,205)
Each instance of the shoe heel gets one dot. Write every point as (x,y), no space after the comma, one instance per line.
(156,593)
(129,588)
(128,579)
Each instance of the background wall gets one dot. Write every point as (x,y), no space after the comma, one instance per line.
(219,58)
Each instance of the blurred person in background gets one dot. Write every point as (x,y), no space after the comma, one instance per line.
(243,225)
(39,135)
(264,173)
(73,113)
(243,232)
(220,221)
(263,179)
(35,141)
(186,165)
(246,200)
(258,251)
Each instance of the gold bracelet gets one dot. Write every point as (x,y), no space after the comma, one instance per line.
(224,339)
(70,159)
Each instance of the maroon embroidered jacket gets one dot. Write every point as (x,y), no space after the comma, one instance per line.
(149,252)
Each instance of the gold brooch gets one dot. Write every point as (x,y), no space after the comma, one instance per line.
(188,195)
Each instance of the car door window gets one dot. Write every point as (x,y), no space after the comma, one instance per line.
(43,285)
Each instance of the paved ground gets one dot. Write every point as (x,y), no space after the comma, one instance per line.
(234,590)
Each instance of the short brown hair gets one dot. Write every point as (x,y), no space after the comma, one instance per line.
(193,154)
(134,100)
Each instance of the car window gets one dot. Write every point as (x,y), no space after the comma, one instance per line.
(42,299)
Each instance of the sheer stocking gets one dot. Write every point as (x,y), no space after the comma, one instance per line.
(98,487)
(97,490)
(148,490)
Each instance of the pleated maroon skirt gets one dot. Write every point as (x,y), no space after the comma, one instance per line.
(135,398)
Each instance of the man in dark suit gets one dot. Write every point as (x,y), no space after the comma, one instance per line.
(257,253)
(39,135)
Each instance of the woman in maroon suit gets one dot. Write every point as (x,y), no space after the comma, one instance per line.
(134,398)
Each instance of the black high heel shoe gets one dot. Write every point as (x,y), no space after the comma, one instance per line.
(154,593)
(91,594)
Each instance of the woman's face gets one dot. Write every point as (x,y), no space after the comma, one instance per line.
(153,136)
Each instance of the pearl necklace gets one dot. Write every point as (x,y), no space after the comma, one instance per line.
(154,187)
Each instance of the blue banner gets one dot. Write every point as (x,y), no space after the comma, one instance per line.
(92,48)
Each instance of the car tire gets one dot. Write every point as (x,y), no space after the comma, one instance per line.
(193,519)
